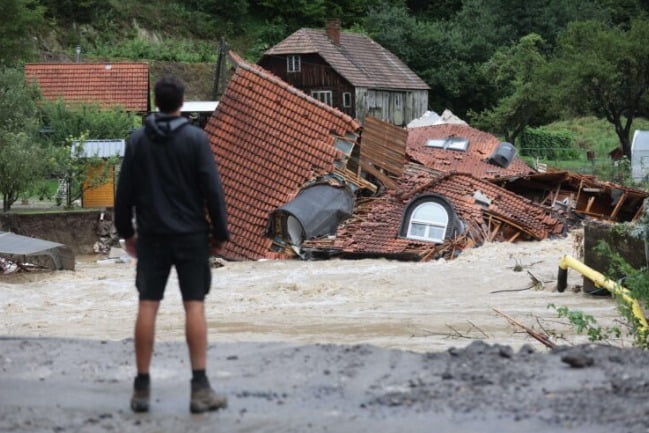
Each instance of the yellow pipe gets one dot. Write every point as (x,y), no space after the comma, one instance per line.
(601,281)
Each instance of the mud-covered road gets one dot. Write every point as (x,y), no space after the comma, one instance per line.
(61,385)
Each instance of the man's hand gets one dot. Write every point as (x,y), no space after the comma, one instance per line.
(131,246)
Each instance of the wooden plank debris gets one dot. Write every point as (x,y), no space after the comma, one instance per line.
(384,145)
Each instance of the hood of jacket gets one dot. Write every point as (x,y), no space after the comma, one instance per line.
(161,126)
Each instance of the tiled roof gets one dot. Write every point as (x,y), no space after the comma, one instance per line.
(124,84)
(473,161)
(268,139)
(374,228)
(357,58)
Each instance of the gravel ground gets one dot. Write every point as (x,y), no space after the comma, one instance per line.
(73,385)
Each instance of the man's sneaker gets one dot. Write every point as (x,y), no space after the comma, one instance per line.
(204,399)
(140,398)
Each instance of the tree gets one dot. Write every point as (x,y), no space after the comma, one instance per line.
(516,75)
(448,53)
(21,159)
(605,72)
(80,11)
(22,163)
(439,10)
(64,121)
(68,123)
(79,172)
(232,11)
(20,20)
(624,11)
(296,13)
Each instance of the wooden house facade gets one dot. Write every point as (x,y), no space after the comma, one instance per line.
(351,72)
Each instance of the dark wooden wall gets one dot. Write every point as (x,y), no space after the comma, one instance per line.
(315,74)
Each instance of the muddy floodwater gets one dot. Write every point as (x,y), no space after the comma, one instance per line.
(415,306)
(325,346)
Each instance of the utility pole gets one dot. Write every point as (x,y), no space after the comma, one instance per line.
(220,78)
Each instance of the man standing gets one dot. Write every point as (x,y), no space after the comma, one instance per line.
(168,179)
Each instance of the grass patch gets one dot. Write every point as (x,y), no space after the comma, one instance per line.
(590,134)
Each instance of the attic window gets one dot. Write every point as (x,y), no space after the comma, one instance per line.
(293,63)
(450,143)
(428,222)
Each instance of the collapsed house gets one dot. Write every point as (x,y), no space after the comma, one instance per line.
(270,141)
(441,200)
(460,148)
(432,214)
(304,179)
(577,196)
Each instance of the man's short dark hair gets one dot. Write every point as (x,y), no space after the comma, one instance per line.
(169,93)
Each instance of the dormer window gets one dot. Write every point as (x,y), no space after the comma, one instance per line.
(450,143)
(430,218)
(293,63)
(428,222)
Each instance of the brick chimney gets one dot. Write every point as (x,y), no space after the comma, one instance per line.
(333,30)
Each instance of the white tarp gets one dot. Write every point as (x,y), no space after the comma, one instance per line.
(640,155)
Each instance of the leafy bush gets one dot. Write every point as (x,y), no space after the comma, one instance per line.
(541,143)
(635,280)
(587,323)
(65,121)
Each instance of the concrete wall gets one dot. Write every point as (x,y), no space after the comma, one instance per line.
(78,230)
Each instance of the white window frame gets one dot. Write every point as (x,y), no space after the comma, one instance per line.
(325,96)
(293,63)
(347,99)
(428,223)
(449,143)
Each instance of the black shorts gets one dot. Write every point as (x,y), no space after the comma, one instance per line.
(189,253)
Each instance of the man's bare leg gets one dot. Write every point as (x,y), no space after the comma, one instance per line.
(196,333)
(203,397)
(144,339)
(145,334)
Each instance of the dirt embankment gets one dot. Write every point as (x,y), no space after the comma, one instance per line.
(198,77)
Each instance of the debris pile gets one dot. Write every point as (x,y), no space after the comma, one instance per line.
(7,266)
(304,179)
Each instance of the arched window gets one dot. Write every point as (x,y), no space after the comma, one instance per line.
(428,222)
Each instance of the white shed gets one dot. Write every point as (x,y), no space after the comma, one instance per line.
(640,155)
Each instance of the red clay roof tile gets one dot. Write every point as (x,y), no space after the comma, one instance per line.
(123,84)
(481,146)
(374,227)
(267,150)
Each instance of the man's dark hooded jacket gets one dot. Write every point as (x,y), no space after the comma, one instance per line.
(170,177)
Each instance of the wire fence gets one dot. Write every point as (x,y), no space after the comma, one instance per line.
(604,167)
